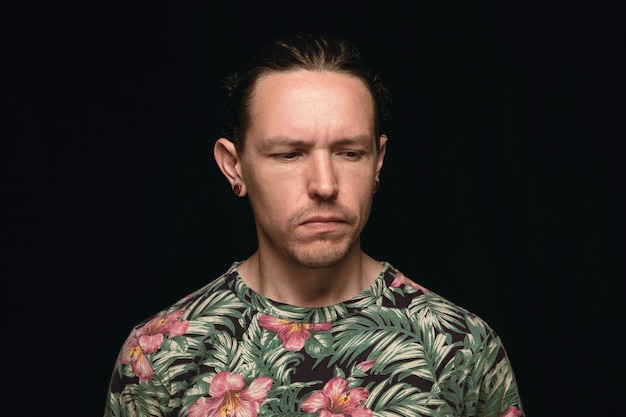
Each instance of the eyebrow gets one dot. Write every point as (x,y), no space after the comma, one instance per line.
(281,140)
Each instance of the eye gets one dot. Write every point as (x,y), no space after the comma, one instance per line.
(287,156)
(354,155)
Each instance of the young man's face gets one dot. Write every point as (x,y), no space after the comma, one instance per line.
(309,165)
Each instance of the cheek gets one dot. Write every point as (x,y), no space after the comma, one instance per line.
(271,184)
(270,198)
(361,185)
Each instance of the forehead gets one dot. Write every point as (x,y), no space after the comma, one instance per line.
(310,103)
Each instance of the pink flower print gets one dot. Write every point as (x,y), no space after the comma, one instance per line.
(365,365)
(229,397)
(133,353)
(400,279)
(149,338)
(336,399)
(151,334)
(292,334)
(512,411)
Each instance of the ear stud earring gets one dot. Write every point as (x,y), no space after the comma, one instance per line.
(376,186)
(236,189)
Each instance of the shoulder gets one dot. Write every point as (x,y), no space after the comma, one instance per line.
(431,309)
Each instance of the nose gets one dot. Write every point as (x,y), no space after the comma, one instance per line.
(322,178)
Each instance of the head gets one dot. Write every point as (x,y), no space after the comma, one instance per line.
(305,145)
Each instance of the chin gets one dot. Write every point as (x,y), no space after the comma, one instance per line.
(319,259)
(318,263)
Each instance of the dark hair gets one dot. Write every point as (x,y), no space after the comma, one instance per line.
(309,52)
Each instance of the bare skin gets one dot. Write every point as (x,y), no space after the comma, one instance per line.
(308,167)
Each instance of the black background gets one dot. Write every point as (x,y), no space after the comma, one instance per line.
(502,188)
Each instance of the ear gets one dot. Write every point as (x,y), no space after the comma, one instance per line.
(227,158)
(382,149)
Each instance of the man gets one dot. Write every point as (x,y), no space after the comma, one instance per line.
(309,324)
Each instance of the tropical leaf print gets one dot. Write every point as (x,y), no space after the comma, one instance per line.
(498,386)
(392,341)
(143,400)
(422,360)
(395,350)
(224,355)
(402,400)
(264,351)
(286,399)
(224,307)
(377,329)
(430,310)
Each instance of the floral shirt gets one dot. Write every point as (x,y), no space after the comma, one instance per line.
(396,349)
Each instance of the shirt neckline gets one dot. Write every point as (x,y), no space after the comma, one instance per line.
(332,313)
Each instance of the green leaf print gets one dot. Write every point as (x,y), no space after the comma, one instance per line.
(265,353)
(402,400)
(319,345)
(143,400)
(283,400)
(432,310)
(400,351)
(225,353)
(224,308)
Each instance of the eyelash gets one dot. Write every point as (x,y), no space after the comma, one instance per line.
(357,154)
(287,154)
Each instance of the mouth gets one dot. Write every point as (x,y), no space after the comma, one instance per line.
(323,224)
(324,219)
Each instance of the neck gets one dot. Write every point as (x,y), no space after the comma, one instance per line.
(290,283)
